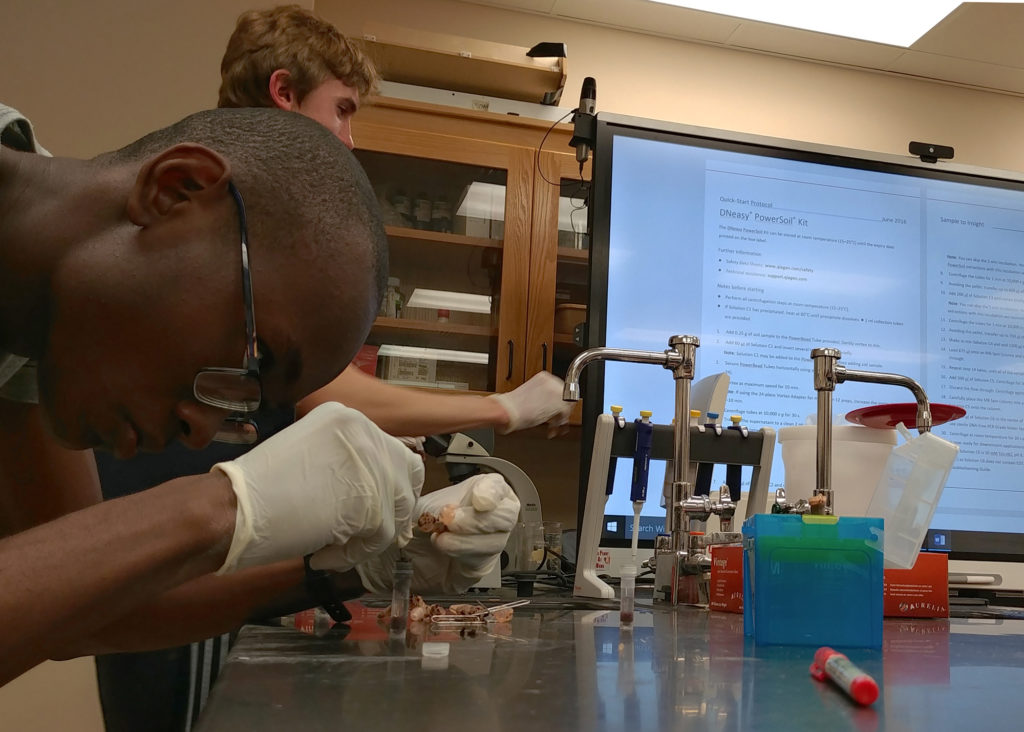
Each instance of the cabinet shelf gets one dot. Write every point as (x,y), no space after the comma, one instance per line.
(565,347)
(407,235)
(453,392)
(573,256)
(466,65)
(424,334)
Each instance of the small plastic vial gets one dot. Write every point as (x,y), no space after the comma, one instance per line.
(627,592)
(421,210)
(403,207)
(400,597)
(391,305)
(441,215)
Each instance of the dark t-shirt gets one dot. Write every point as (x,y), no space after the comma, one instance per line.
(145,470)
(164,691)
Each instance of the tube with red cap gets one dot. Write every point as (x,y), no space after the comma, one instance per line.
(834,665)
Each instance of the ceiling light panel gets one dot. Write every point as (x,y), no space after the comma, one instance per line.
(880,21)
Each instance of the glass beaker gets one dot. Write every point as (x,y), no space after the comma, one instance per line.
(531,548)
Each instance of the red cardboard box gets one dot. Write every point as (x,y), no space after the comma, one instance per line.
(366,359)
(919,592)
(726,579)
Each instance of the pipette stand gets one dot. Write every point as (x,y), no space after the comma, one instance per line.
(587,583)
(757,450)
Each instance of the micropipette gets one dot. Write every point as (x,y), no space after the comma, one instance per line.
(641,468)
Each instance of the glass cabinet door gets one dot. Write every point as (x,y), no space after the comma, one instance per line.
(571,272)
(453,313)
(560,264)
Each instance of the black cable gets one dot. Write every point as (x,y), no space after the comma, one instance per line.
(543,561)
(536,157)
(562,560)
(584,187)
(555,579)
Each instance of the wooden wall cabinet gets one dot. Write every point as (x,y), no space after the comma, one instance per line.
(490,202)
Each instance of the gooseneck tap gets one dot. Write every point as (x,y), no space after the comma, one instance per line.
(827,373)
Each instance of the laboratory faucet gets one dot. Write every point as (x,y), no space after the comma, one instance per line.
(827,373)
(681,560)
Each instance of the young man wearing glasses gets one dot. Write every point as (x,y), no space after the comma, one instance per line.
(159,294)
(288,58)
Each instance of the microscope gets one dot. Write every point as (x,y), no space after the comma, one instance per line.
(467,453)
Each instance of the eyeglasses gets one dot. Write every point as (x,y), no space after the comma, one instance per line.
(237,390)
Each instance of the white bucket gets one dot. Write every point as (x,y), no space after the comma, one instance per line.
(859,455)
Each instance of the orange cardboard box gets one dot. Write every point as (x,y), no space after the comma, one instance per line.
(726,592)
(919,592)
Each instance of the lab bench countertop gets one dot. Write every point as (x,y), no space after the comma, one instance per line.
(558,668)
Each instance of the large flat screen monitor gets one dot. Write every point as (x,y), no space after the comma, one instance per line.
(767,248)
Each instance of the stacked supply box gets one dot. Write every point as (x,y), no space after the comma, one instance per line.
(813,580)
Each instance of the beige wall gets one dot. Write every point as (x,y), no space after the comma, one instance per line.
(54,696)
(734,90)
(95,75)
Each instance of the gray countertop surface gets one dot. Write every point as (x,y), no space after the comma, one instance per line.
(558,668)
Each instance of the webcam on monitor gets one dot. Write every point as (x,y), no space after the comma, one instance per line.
(930,152)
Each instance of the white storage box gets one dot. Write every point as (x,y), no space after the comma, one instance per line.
(858,459)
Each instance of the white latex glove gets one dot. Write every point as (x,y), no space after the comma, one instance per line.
(413,443)
(537,401)
(453,561)
(333,479)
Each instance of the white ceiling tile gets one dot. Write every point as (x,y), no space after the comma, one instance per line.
(531,6)
(811,45)
(989,32)
(960,71)
(648,17)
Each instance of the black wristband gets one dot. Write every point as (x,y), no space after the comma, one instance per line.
(321,589)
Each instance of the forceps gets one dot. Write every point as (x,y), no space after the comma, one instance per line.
(479,617)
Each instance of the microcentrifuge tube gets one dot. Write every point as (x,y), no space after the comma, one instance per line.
(400,597)
(627,590)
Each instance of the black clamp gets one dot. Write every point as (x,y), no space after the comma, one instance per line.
(320,587)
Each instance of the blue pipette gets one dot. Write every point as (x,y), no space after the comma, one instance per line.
(641,469)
